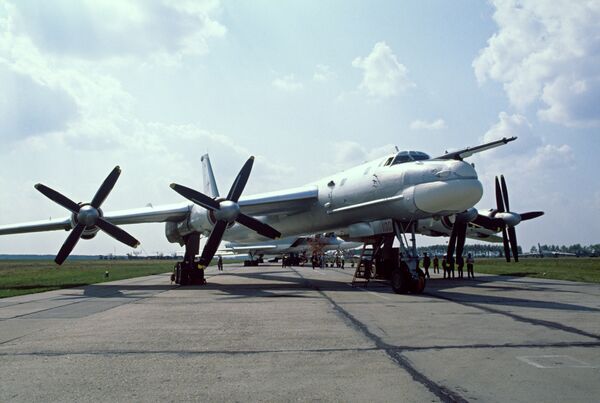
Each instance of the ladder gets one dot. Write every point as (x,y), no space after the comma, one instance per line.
(364,269)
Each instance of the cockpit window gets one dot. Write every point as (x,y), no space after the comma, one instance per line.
(408,156)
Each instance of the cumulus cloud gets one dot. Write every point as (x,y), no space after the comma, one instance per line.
(323,73)
(99,29)
(383,75)
(347,154)
(31,108)
(528,153)
(547,54)
(287,83)
(437,124)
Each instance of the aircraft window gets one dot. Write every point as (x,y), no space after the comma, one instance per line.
(343,181)
(401,158)
(418,155)
(389,161)
(408,156)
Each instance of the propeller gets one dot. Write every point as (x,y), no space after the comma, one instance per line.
(508,220)
(226,212)
(87,216)
(458,235)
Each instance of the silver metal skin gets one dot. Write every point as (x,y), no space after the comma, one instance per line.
(511,219)
(228,211)
(88,215)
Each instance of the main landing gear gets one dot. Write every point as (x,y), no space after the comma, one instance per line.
(399,266)
(189,271)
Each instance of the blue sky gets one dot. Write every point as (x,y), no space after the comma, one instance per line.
(307,87)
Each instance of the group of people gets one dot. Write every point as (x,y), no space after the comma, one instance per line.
(448,266)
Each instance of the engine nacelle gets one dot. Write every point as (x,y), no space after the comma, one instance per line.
(199,220)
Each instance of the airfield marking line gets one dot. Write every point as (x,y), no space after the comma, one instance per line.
(576,363)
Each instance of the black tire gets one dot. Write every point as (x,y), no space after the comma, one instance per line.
(400,279)
(418,286)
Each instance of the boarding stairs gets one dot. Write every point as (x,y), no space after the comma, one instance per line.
(366,265)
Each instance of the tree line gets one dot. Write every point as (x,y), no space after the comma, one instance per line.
(497,250)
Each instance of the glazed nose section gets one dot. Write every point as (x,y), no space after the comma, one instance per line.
(458,192)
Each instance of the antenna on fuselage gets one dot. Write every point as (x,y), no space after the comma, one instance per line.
(397,149)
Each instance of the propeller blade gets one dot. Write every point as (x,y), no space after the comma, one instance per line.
(512,238)
(487,222)
(452,242)
(530,215)
(461,236)
(69,244)
(504,192)
(58,198)
(117,233)
(106,187)
(260,227)
(505,242)
(499,203)
(196,197)
(240,181)
(213,243)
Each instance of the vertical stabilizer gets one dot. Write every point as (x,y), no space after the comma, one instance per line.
(210,186)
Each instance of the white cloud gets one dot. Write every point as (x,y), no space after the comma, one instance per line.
(347,154)
(287,83)
(28,107)
(383,75)
(437,124)
(528,153)
(547,54)
(323,73)
(100,29)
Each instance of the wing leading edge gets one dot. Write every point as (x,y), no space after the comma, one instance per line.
(173,212)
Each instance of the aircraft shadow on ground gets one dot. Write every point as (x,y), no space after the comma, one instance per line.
(292,284)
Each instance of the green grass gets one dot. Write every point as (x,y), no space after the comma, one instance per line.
(572,269)
(19,277)
(31,276)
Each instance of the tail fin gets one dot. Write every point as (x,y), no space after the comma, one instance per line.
(210,186)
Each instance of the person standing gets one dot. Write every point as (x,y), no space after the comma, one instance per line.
(470,263)
(436,264)
(445,266)
(426,264)
(451,263)
(460,263)
(220,263)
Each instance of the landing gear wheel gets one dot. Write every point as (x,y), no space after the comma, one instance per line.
(418,285)
(400,279)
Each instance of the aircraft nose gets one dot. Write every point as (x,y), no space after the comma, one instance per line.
(459,190)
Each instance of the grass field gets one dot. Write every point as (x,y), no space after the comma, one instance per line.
(19,277)
(30,276)
(572,269)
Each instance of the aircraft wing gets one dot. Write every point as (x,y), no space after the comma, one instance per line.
(173,212)
(467,152)
(288,201)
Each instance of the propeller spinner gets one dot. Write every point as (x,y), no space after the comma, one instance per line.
(225,212)
(88,216)
(509,219)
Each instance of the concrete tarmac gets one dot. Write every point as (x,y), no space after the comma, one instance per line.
(297,334)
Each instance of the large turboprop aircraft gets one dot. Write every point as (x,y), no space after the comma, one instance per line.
(364,201)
